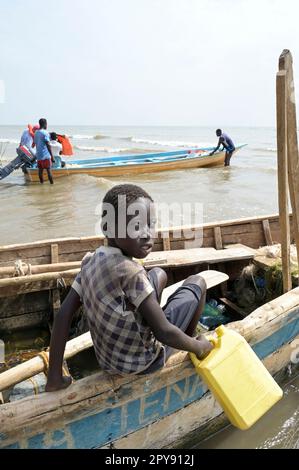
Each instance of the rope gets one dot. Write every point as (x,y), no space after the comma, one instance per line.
(45,358)
(65,371)
(253,280)
(35,386)
(61,282)
(18,268)
(19,271)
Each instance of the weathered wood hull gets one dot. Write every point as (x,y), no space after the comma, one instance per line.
(31,174)
(252,231)
(151,411)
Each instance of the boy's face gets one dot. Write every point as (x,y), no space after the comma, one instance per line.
(137,239)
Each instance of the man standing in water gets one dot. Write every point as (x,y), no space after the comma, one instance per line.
(44,153)
(227,143)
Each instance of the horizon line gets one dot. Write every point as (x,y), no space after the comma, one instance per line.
(148,125)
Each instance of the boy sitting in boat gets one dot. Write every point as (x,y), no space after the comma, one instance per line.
(131,333)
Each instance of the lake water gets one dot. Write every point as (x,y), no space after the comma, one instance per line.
(278,429)
(31,212)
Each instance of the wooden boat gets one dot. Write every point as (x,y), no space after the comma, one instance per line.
(150,411)
(135,164)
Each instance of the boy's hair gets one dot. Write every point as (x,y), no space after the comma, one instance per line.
(53,136)
(131,191)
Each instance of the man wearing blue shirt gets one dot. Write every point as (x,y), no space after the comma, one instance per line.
(227,143)
(44,155)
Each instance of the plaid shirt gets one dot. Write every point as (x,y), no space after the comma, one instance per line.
(111,287)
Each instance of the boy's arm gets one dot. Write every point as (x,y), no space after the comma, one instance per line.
(169,334)
(62,323)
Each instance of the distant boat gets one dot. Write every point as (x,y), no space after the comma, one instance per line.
(120,165)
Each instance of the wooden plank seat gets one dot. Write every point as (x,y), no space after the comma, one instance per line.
(212,278)
(188,257)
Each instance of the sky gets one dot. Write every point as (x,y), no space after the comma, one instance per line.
(144,62)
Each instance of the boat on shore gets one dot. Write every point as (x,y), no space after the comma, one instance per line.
(148,411)
(121,165)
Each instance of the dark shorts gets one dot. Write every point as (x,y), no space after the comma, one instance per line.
(230,149)
(44,164)
(179,310)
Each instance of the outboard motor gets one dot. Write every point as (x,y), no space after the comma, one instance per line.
(24,160)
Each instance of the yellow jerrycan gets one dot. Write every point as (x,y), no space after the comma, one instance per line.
(237,378)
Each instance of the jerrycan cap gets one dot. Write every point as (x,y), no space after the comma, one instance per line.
(220,330)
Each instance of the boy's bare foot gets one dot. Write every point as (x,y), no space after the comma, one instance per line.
(54,385)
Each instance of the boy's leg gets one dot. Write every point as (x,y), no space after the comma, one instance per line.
(50,177)
(158,279)
(185,305)
(197,280)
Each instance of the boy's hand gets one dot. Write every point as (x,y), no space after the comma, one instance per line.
(58,384)
(204,347)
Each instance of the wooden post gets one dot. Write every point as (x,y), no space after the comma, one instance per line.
(286,64)
(218,238)
(267,232)
(54,253)
(165,241)
(220,266)
(282,170)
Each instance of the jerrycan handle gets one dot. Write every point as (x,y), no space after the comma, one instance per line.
(194,358)
(212,340)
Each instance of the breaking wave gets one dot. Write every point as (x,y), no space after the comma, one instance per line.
(86,148)
(87,137)
(172,143)
(265,149)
